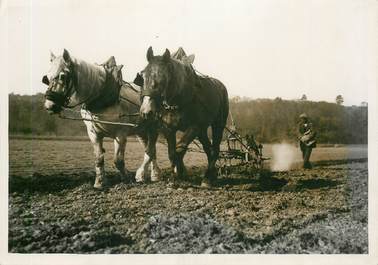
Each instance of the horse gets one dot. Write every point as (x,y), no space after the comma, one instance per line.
(184,101)
(102,94)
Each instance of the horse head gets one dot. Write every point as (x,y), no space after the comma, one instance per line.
(156,82)
(162,80)
(61,81)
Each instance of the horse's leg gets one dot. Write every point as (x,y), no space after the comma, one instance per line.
(181,149)
(151,151)
(155,171)
(217,139)
(140,173)
(99,157)
(119,157)
(171,141)
(206,144)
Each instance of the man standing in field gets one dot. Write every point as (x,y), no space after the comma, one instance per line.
(307,139)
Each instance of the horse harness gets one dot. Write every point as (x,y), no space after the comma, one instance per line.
(66,79)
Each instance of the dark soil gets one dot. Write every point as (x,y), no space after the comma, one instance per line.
(322,210)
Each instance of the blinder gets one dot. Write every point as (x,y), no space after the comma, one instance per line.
(45,80)
(65,79)
(139,80)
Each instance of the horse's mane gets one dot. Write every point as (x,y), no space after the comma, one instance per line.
(184,78)
(89,72)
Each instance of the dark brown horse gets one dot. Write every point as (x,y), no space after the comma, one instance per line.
(187,102)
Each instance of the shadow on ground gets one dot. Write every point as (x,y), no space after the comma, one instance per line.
(264,181)
(339,162)
(303,184)
(55,182)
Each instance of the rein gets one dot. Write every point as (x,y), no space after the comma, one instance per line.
(95,119)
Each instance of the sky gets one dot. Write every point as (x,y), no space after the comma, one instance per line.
(258,49)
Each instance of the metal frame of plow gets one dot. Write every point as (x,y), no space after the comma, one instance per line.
(239,154)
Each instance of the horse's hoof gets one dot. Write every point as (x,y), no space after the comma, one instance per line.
(143,181)
(206,184)
(98,186)
(126,180)
(173,184)
(154,179)
(139,177)
(100,183)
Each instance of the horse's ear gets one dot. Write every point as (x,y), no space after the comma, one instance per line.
(189,59)
(66,56)
(119,67)
(139,80)
(52,56)
(166,55)
(150,54)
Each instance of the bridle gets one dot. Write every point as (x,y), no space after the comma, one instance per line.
(62,87)
(155,95)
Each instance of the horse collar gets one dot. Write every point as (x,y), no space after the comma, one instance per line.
(107,97)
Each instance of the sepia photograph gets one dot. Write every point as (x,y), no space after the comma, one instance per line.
(189,127)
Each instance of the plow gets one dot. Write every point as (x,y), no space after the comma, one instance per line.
(239,152)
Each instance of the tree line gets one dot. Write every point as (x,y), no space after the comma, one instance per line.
(269,120)
(277,120)
(27,116)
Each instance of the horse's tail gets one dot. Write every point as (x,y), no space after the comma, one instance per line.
(224,106)
(221,121)
(221,118)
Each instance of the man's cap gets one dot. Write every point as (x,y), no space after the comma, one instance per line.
(303,115)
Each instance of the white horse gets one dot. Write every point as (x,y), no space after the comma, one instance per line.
(102,94)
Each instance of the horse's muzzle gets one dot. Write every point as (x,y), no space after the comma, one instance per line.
(51,107)
(147,109)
